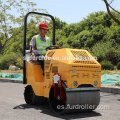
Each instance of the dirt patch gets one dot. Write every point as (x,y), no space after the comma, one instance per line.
(113,86)
(12,72)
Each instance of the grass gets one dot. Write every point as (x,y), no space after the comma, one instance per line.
(110,72)
(117,83)
(12,71)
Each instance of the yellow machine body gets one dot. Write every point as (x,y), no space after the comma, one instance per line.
(74,65)
(71,77)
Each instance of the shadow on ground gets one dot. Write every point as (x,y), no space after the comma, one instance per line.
(45,109)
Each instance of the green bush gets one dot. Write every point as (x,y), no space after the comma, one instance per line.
(103,50)
(117,83)
(107,65)
(19,63)
(118,66)
(7,60)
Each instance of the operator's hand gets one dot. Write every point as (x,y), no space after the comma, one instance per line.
(33,56)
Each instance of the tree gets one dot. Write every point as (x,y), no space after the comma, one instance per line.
(109,6)
(11,25)
(59,24)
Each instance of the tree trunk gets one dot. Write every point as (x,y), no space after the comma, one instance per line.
(109,12)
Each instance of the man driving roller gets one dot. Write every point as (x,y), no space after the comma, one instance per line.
(40,42)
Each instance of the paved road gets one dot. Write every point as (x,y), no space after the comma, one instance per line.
(13,107)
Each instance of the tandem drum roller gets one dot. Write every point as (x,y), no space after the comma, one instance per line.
(69,85)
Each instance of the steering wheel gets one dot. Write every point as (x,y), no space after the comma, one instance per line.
(54,47)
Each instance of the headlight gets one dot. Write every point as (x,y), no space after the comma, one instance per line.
(95,83)
(56,78)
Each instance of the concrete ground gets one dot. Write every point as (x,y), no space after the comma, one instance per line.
(13,107)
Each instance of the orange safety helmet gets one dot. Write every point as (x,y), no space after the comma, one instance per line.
(43,25)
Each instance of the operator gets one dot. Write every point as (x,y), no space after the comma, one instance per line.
(40,42)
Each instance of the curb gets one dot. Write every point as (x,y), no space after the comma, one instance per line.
(110,90)
(102,89)
(10,80)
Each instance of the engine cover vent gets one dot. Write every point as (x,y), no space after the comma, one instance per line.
(47,75)
(85,62)
(50,54)
(47,62)
(79,53)
(86,66)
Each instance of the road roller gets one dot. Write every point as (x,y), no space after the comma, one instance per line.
(71,81)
